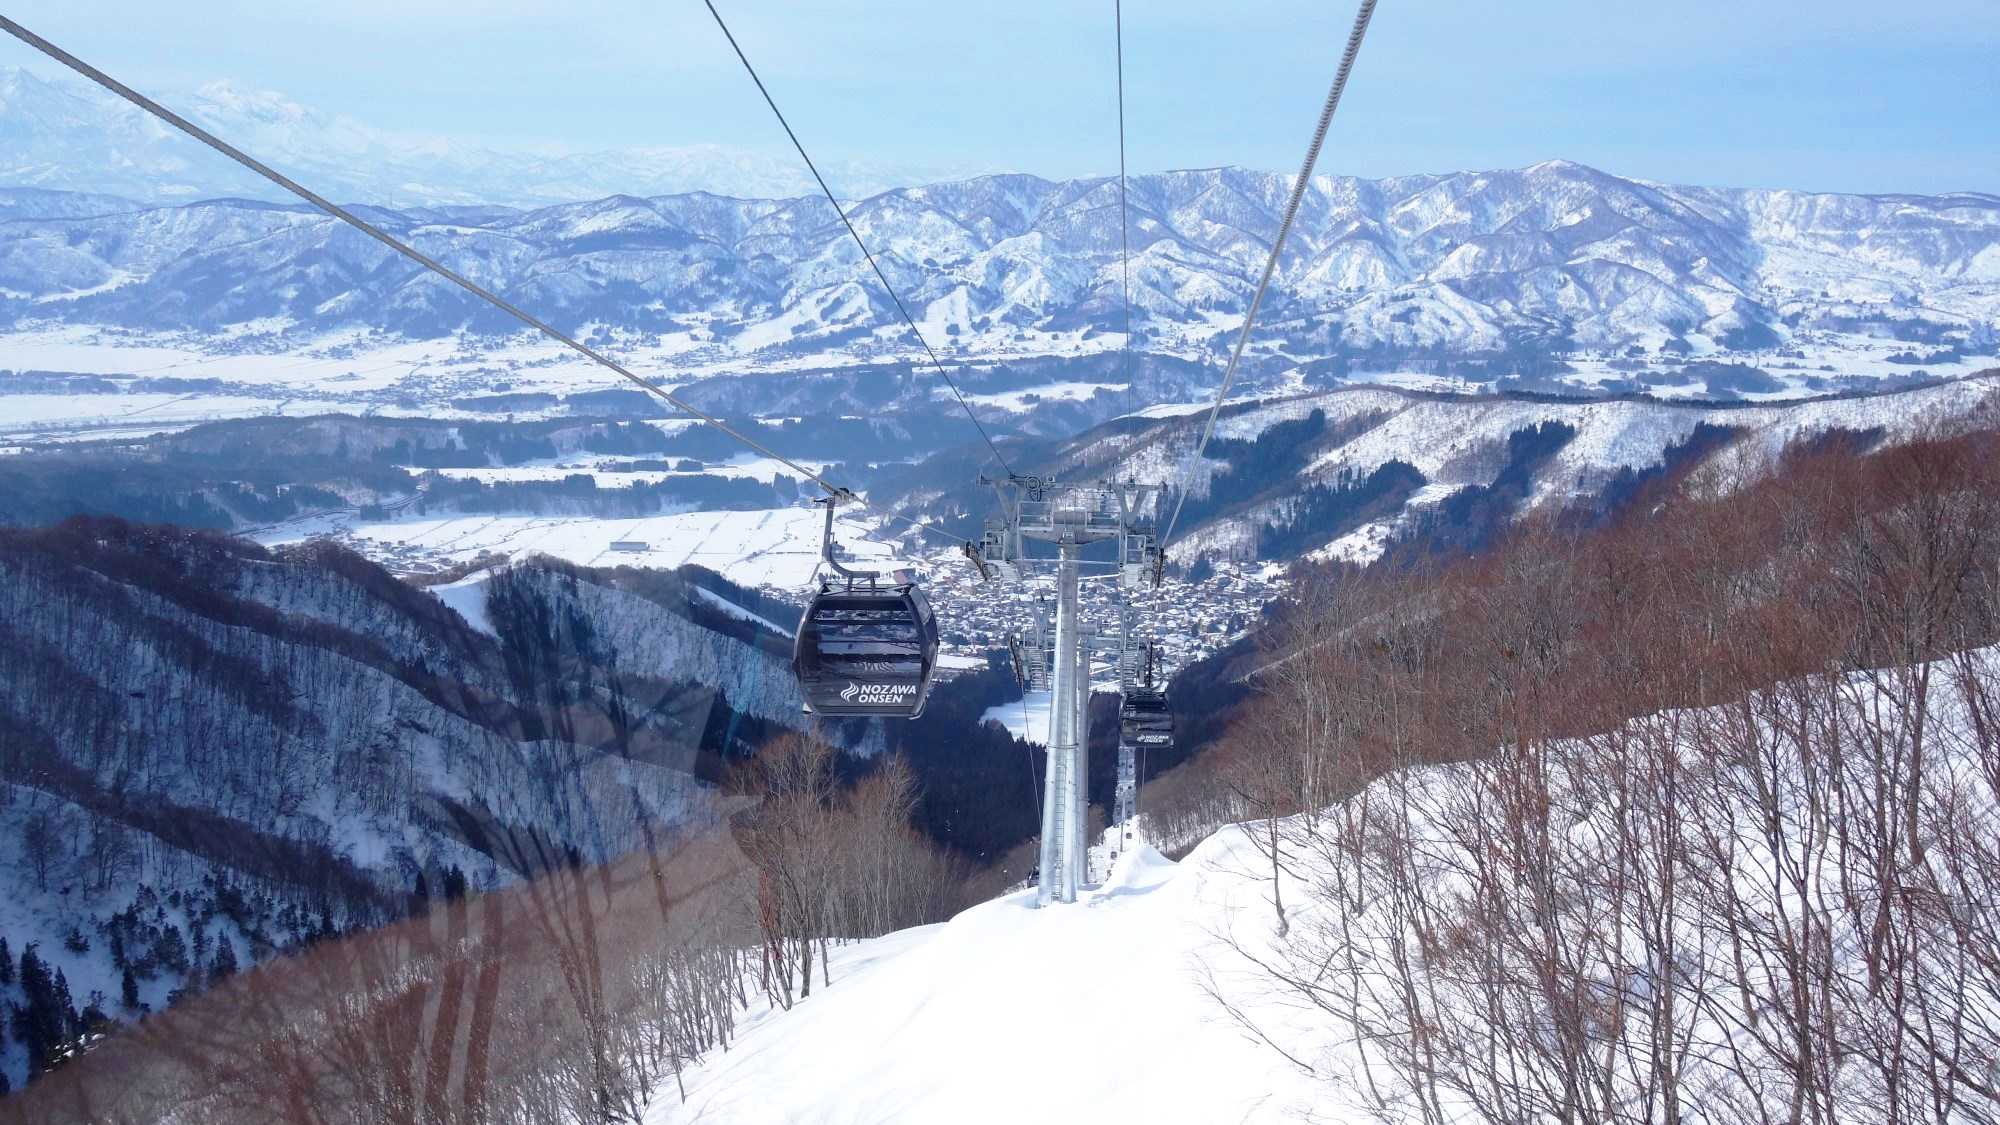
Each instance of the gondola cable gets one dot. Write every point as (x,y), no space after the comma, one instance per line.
(1027,732)
(858,241)
(347,216)
(1124,221)
(1354,38)
(866,645)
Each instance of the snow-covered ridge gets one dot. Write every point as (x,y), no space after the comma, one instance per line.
(187,721)
(1460,441)
(1550,258)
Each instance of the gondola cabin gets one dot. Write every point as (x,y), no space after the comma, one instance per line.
(866,650)
(1144,718)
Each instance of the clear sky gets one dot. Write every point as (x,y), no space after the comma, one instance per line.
(1833,95)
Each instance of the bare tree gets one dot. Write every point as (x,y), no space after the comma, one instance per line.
(40,844)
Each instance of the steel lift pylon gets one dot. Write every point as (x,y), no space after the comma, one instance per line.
(1071,517)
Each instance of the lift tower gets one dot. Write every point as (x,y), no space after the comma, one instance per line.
(1071,517)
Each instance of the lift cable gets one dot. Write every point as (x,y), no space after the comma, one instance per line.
(1277,247)
(422,259)
(1034,785)
(1124,223)
(865,252)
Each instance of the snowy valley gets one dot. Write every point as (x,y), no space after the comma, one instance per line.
(1421,859)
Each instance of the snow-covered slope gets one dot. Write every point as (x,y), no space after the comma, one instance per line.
(1652,887)
(1089,1012)
(207,746)
(1533,261)
(1456,442)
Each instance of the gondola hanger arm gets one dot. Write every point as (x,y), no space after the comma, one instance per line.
(832,500)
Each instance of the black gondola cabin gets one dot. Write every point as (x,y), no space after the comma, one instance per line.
(1144,719)
(866,650)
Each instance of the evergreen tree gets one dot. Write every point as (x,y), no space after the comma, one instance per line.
(65,1006)
(6,963)
(128,990)
(172,949)
(42,1021)
(95,1021)
(224,965)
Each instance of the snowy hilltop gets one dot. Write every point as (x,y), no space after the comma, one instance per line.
(1547,260)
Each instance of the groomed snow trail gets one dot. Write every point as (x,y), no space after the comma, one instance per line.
(1089,1012)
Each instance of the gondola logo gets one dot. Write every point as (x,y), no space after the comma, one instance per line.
(877,693)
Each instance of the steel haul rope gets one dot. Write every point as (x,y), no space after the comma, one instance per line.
(865,252)
(1124,222)
(406,250)
(1354,38)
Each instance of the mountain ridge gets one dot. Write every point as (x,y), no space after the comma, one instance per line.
(1541,260)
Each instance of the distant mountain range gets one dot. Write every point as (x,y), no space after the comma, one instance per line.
(70,136)
(1532,261)
(738,251)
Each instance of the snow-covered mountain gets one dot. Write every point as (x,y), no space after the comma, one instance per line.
(1526,262)
(207,746)
(1347,472)
(66,135)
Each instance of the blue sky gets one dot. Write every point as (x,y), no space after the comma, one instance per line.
(1835,95)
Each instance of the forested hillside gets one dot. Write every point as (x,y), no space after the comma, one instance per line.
(1344,473)
(1673,806)
(211,753)
(577,995)
(1719,835)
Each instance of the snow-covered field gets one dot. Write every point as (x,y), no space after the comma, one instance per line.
(29,417)
(467,597)
(1047,392)
(1094,1011)
(777,547)
(348,360)
(1026,718)
(610,472)
(361,373)
(356,373)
